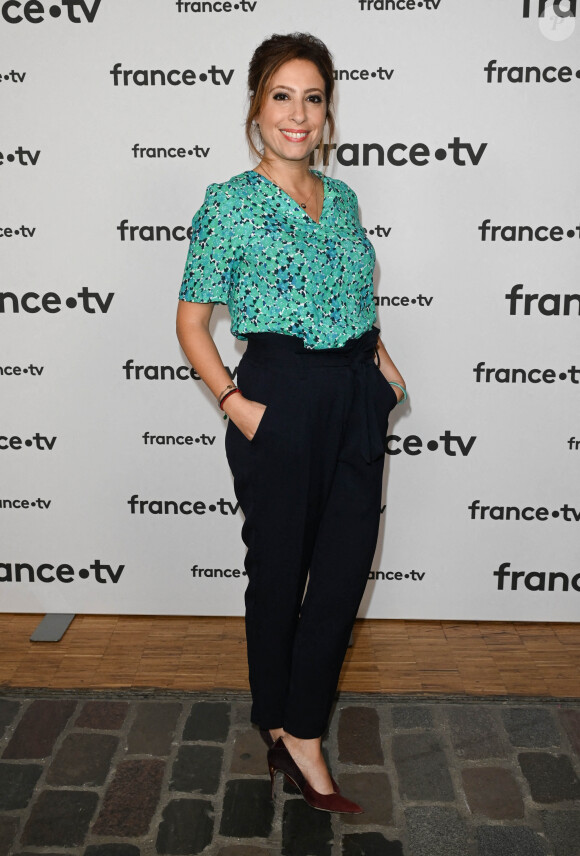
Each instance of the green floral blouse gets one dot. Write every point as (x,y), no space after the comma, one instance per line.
(254,248)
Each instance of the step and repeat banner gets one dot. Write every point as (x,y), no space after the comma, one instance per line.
(458,127)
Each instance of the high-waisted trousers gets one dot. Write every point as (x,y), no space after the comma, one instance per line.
(309,484)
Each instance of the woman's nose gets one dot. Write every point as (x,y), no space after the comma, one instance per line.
(298,113)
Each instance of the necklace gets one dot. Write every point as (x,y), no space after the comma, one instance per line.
(301,204)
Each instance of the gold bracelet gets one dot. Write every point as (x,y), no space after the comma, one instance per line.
(223,392)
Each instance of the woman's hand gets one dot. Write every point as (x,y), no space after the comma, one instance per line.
(244,413)
(195,339)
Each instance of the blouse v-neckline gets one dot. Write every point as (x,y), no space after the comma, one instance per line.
(296,205)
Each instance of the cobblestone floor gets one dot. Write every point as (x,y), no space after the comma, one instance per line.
(144,774)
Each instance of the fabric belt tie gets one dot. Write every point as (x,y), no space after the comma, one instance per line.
(357,355)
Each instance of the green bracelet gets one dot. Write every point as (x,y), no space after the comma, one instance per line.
(402,388)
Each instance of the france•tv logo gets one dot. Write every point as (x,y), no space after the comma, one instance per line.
(35,12)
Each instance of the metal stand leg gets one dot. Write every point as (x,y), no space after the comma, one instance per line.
(52,627)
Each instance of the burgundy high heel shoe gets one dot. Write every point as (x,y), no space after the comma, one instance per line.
(269,741)
(280,760)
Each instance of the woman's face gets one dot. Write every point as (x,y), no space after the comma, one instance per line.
(294,113)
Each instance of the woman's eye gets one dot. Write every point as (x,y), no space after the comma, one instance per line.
(283,96)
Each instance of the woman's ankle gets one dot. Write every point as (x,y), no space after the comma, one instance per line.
(311,747)
(275,733)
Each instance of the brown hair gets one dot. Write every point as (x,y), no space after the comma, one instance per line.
(269,57)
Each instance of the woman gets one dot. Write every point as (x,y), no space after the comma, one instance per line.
(282,245)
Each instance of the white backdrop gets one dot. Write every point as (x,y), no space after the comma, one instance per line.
(102,165)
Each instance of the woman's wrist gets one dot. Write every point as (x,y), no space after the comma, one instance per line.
(227,389)
(400,390)
(233,403)
(233,390)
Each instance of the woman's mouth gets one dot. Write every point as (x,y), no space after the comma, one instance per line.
(294,136)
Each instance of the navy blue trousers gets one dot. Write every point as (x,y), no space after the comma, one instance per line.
(309,485)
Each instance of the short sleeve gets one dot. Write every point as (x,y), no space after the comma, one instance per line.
(210,262)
